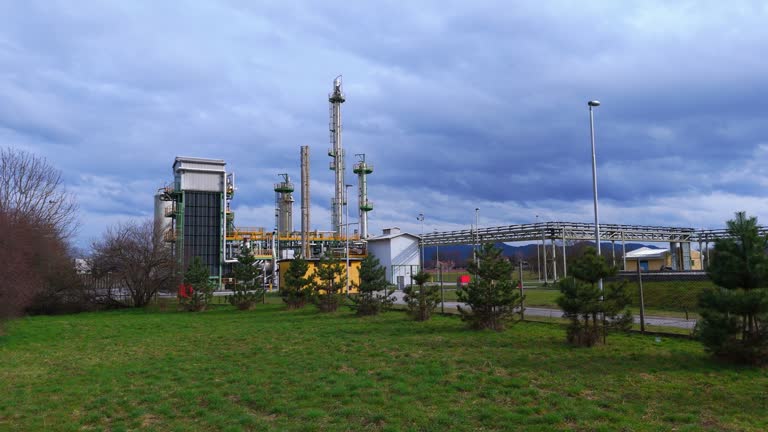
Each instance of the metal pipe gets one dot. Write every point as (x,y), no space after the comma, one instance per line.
(346,194)
(565,260)
(305,202)
(554,260)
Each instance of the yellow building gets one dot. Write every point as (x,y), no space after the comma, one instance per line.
(657,260)
(354,270)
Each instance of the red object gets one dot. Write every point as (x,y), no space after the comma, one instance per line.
(464,279)
(186,290)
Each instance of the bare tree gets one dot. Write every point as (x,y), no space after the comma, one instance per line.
(37,216)
(32,189)
(137,261)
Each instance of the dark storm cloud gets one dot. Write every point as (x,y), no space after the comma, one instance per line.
(458,105)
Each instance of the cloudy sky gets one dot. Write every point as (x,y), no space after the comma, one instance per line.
(457,104)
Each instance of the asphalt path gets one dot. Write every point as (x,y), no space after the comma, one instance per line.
(650,320)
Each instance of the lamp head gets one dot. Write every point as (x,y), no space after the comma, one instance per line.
(594,103)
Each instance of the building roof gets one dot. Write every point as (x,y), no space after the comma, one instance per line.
(646,252)
(390,233)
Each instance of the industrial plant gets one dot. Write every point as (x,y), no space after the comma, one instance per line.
(197,219)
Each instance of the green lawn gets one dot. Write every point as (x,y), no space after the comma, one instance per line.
(270,369)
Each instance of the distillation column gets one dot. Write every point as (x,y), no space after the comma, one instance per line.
(284,206)
(305,249)
(362,169)
(337,153)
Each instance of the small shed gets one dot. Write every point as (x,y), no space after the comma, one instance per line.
(398,252)
(651,259)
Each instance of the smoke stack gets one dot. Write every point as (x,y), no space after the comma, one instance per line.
(305,249)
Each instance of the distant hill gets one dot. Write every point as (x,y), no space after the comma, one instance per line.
(462,253)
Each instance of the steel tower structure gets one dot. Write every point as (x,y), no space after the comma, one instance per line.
(336,98)
(362,169)
(284,206)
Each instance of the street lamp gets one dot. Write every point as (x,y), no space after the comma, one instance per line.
(477,236)
(420,218)
(591,104)
(346,203)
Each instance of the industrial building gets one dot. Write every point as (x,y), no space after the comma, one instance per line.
(398,253)
(195,213)
(661,259)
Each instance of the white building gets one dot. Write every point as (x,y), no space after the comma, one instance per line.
(398,252)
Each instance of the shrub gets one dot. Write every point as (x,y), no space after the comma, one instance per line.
(297,290)
(374,292)
(197,289)
(421,299)
(591,312)
(734,317)
(492,296)
(246,290)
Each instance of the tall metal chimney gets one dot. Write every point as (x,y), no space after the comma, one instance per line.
(305,249)
(336,98)
(362,169)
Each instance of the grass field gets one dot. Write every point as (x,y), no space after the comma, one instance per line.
(270,369)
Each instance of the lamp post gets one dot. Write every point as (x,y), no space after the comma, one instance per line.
(476,236)
(346,203)
(592,104)
(420,218)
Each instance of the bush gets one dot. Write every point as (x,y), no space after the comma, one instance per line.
(734,316)
(197,290)
(297,289)
(374,292)
(591,312)
(421,299)
(492,296)
(246,290)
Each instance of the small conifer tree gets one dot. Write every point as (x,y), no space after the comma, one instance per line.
(247,290)
(734,317)
(197,289)
(374,292)
(492,295)
(297,289)
(591,312)
(421,298)
(328,281)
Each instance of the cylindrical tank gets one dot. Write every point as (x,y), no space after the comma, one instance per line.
(161,209)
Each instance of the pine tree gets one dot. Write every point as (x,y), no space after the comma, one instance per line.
(328,281)
(492,295)
(374,292)
(734,317)
(297,289)
(247,290)
(196,291)
(593,313)
(421,299)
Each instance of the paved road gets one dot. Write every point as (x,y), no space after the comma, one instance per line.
(557,313)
